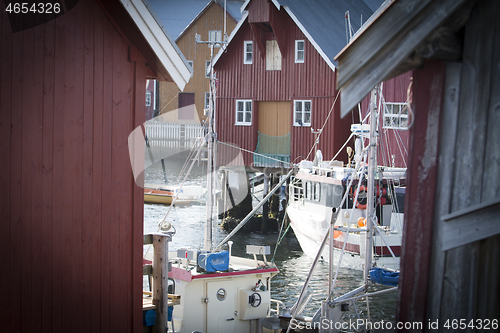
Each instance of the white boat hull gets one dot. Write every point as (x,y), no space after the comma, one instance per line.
(310,224)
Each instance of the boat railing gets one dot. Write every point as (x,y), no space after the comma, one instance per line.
(275,310)
(297,193)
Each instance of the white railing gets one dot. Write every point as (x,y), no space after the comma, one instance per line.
(160,131)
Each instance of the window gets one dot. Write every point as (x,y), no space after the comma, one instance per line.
(396,116)
(308,190)
(244,112)
(207,100)
(207,69)
(299,51)
(302,113)
(273,56)
(215,36)
(248,52)
(148,98)
(317,191)
(190,63)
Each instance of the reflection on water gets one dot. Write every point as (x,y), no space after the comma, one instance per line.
(292,263)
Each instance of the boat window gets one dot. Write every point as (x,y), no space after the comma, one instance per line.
(308,190)
(317,191)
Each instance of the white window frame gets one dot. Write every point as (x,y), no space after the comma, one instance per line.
(149,96)
(302,51)
(244,111)
(301,117)
(215,36)
(190,63)
(245,53)
(207,69)
(395,116)
(207,100)
(308,191)
(317,192)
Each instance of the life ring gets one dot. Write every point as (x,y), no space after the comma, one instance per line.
(361,203)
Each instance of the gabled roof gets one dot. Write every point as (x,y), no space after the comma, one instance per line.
(178,15)
(323,22)
(165,56)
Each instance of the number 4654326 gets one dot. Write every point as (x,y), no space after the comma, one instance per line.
(35,8)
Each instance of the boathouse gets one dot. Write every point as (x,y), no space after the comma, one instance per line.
(276,80)
(72,90)
(451,243)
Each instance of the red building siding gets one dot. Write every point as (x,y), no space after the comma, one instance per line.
(70,212)
(313,80)
(393,143)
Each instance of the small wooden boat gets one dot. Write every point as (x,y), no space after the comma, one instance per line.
(158,195)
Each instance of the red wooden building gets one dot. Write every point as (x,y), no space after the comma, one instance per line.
(71,215)
(450,279)
(277,80)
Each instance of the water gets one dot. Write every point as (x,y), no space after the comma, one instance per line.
(294,266)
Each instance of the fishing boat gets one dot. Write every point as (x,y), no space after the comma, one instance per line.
(347,214)
(315,196)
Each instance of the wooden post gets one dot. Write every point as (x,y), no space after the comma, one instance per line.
(160,280)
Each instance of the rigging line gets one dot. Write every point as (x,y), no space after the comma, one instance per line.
(402,143)
(280,235)
(370,294)
(399,147)
(193,151)
(347,141)
(178,192)
(254,153)
(325,238)
(316,141)
(365,153)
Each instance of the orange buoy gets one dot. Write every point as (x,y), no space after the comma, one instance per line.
(361,222)
(336,234)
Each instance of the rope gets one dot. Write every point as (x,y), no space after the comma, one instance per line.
(254,153)
(324,124)
(281,236)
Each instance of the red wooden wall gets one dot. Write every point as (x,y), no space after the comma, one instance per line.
(313,79)
(71,215)
(393,142)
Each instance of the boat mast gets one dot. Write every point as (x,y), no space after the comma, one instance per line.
(372,162)
(210,160)
(211,147)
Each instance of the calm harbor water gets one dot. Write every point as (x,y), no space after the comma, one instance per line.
(294,266)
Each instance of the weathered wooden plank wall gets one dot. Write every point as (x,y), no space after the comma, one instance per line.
(465,280)
(459,283)
(70,211)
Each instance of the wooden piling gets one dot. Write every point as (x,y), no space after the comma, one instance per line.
(160,280)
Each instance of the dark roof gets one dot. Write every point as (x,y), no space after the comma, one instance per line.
(177,15)
(325,22)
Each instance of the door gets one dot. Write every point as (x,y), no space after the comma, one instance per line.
(275,118)
(221,306)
